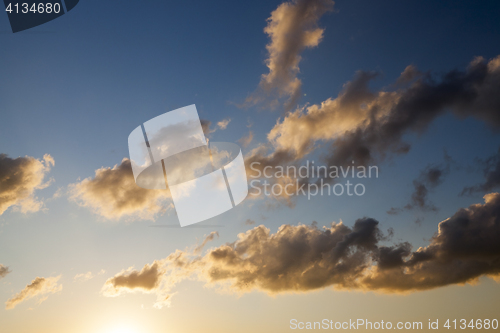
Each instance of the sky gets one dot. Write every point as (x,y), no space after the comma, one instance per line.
(410,88)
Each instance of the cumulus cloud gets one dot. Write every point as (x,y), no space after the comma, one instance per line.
(19,179)
(4,270)
(464,248)
(292,28)
(366,126)
(39,287)
(303,258)
(491,171)
(148,280)
(112,193)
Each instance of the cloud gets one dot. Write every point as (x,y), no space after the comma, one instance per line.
(19,179)
(246,140)
(113,194)
(83,277)
(249,222)
(4,270)
(429,178)
(465,248)
(368,126)
(303,258)
(292,28)
(147,280)
(223,123)
(205,126)
(207,239)
(491,171)
(38,287)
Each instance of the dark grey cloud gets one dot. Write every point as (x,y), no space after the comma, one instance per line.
(469,93)
(429,178)
(491,171)
(465,248)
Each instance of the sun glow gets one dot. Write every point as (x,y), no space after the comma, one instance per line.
(123,329)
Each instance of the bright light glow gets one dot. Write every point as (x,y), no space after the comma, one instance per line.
(123,329)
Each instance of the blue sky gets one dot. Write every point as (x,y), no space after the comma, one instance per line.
(77,86)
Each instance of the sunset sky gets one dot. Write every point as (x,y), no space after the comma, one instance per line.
(411,87)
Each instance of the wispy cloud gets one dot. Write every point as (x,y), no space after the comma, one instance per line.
(38,287)
(19,179)
(429,178)
(4,270)
(246,140)
(83,277)
(491,172)
(292,28)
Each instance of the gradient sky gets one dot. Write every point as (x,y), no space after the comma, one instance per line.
(77,86)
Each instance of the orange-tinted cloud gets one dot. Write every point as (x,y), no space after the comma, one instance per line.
(38,287)
(112,193)
(303,258)
(246,140)
(19,179)
(366,126)
(292,27)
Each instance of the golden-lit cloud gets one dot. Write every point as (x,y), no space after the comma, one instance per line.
(147,280)
(112,193)
(465,248)
(19,179)
(246,140)
(303,258)
(224,123)
(83,277)
(39,288)
(292,28)
(366,126)
(4,270)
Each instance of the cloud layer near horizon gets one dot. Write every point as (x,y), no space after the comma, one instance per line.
(19,179)
(303,258)
(40,286)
